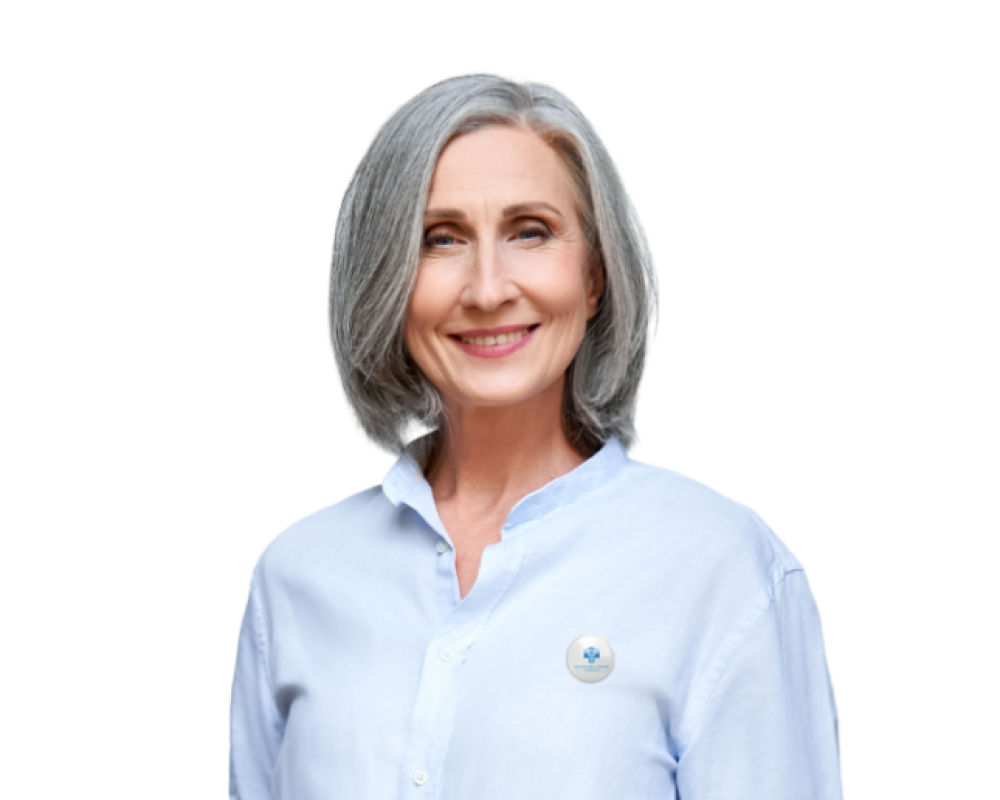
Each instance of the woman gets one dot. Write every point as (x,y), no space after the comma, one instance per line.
(519,610)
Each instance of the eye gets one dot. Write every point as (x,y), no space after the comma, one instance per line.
(533,233)
(439,239)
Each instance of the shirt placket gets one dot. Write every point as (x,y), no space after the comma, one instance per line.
(462,622)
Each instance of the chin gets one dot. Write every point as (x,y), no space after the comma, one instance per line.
(485,398)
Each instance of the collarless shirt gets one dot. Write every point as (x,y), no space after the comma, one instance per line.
(362,673)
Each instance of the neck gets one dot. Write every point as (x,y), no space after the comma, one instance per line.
(490,456)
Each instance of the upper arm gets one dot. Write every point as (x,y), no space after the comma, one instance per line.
(255,724)
(768,726)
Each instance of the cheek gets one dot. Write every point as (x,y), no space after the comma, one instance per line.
(561,290)
(420,308)
(429,305)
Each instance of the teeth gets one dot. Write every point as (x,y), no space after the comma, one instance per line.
(490,341)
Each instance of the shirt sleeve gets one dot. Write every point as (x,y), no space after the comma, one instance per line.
(768,729)
(255,725)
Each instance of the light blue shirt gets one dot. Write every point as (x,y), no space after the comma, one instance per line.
(362,674)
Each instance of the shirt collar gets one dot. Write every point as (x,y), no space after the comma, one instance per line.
(405,483)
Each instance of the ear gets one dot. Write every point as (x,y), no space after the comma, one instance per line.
(595,283)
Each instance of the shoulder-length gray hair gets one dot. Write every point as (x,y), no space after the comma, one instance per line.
(377,247)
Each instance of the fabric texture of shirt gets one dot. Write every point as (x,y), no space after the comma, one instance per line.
(362,673)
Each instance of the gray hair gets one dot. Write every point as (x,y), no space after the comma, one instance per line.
(377,247)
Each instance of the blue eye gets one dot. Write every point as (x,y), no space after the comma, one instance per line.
(440,240)
(532,234)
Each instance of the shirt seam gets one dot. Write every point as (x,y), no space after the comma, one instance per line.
(260,638)
(738,640)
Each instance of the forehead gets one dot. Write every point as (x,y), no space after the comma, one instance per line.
(501,164)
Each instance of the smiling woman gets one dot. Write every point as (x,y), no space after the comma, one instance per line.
(501,274)
(506,274)
(382,249)
(519,609)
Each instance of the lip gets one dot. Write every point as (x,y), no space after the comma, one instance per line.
(495,350)
(495,331)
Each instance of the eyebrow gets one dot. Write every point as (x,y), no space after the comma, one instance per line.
(509,211)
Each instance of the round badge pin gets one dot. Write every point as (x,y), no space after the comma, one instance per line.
(590,658)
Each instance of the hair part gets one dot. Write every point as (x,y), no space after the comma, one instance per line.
(377,250)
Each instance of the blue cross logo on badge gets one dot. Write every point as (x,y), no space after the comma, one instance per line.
(590,658)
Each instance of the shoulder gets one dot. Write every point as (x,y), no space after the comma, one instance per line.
(701,526)
(321,534)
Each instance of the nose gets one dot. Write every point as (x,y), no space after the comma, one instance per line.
(489,284)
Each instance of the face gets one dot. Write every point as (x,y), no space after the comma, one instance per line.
(505,284)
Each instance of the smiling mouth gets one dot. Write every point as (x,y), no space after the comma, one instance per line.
(498,339)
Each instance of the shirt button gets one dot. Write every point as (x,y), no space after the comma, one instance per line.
(447,654)
(442,546)
(420,777)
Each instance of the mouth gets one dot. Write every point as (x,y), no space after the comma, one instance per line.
(491,341)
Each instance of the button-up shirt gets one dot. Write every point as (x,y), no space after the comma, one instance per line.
(362,672)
